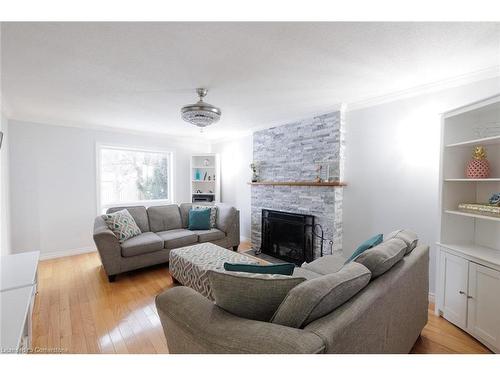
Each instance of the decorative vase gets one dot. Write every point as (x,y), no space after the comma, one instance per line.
(197,175)
(478,167)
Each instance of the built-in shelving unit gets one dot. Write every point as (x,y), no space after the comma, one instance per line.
(205,178)
(468,253)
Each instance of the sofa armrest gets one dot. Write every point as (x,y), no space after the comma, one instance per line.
(228,221)
(108,247)
(194,324)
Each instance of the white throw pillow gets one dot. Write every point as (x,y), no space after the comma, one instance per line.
(122,224)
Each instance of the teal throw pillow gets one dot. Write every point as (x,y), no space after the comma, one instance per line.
(368,244)
(199,219)
(275,269)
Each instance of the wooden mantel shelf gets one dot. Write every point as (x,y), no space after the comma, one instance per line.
(299,183)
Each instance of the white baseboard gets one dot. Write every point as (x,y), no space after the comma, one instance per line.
(66,253)
(432,298)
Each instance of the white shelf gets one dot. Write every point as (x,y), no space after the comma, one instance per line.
(496,179)
(203,194)
(204,181)
(480,141)
(475,251)
(477,216)
(203,167)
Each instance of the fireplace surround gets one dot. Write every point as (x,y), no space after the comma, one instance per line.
(291,152)
(288,236)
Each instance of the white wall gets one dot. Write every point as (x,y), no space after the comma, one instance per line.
(236,156)
(4,189)
(53,182)
(392,165)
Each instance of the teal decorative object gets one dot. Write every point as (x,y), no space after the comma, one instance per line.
(368,244)
(197,175)
(275,269)
(199,219)
(495,199)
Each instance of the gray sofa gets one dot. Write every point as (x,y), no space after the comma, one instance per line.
(163,228)
(386,316)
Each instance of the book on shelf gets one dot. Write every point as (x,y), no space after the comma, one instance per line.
(480,207)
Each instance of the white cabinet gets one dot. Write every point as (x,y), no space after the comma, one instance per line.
(455,270)
(470,297)
(483,319)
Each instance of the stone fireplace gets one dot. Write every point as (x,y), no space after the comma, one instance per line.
(291,152)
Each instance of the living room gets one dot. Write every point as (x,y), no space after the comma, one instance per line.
(250,187)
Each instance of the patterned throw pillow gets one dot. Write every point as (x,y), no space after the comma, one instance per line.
(122,224)
(213,213)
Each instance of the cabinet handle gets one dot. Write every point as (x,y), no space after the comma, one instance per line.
(461,292)
(469,297)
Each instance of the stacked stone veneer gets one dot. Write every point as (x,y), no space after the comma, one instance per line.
(291,153)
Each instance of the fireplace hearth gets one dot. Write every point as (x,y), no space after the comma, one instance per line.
(287,236)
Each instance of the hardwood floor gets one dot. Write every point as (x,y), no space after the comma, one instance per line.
(78,311)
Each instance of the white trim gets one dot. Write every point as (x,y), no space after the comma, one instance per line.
(461,80)
(245,239)
(66,253)
(171,161)
(432,297)
(98,127)
(472,106)
(274,124)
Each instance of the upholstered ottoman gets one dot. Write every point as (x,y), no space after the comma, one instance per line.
(189,265)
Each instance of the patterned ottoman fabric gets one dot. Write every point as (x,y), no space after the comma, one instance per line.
(190,265)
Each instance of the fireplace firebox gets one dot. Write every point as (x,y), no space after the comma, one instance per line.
(287,236)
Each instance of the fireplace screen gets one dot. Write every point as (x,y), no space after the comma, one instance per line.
(287,236)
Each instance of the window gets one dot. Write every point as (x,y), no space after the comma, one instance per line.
(132,176)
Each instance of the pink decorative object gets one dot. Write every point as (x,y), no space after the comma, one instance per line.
(478,167)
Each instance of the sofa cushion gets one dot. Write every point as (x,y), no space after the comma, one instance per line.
(209,235)
(305,273)
(250,296)
(162,218)
(122,224)
(381,258)
(142,244)
(325,264)
(318,297)
(407,236)
(175,238)
(368,244)
(138,213)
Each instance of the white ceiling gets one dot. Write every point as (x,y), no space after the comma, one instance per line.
(138,75)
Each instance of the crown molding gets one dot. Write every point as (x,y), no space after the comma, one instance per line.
(276,123)
(104,128)
(461,80)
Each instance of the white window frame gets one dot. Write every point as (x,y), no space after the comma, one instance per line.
(147,203)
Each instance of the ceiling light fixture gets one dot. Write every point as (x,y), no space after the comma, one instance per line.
(201,114)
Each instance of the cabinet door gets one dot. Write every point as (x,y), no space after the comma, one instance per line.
(484,305)
(455,271)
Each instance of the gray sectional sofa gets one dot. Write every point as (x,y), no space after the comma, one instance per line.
(163,228)
(385,316)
